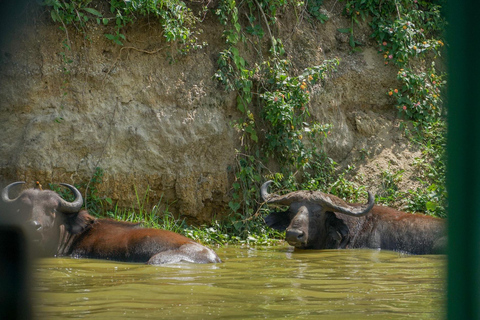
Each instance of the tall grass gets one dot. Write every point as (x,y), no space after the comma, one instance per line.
(219,232)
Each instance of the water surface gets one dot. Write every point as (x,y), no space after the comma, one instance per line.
(255,282)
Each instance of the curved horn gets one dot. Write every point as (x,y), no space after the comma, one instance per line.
(285,200)
(327,201)
(335,204)
(5,191)
(75,205)
(264,190)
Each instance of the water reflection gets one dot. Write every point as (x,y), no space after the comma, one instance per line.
(251,283)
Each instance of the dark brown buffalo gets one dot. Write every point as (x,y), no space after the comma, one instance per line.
(60,228)
(316,220)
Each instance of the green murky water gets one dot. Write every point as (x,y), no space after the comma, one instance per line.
(259,282)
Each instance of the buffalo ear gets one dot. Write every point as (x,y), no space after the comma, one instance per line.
(337,232)
(78,222)
(278,220)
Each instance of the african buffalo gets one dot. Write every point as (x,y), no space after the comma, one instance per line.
(316,220)
(60,228)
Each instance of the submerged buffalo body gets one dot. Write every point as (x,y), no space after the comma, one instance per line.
(60,228)
(316,220)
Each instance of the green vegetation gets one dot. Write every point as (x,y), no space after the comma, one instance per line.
(229,230)
(217,232)
(175,17)
(420,98)
(404,29)
(274,100)
(276,127)
(95,204)
(431,197)
(410,35)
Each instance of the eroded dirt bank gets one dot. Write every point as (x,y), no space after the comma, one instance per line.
(151,118)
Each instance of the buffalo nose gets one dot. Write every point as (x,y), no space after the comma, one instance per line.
(294,236)
(35,225)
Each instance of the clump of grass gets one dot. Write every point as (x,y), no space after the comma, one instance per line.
(153,218)
(389,192)
(230,231)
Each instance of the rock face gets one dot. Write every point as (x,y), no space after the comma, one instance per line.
(151,122)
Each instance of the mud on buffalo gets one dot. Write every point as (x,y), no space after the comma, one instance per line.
(57,227)
(316,220)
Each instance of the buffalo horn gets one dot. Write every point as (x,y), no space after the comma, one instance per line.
(328,202)
(264,190)
(75,205)
(5,191)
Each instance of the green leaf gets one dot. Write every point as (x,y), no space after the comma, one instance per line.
(431,206)
(345,30)
(238,224)
(352,41)
(240,104)
(234,51)
(234,206)
(254,136)
(93,11)
(54,16)
(253,133)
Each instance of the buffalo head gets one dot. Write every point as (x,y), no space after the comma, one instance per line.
(310,222)
(41,213)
